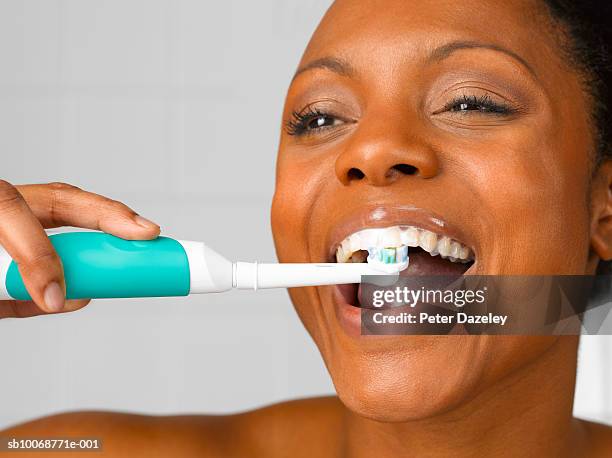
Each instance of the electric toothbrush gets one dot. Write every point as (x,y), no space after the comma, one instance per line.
(98,265)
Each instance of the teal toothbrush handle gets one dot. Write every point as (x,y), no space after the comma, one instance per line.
(98,265)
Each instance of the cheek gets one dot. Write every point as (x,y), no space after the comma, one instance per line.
(303,300)
(532,198)
(299,180)
(299,183)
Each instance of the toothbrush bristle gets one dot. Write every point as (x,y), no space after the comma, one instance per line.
(401,254)
(388,255)
(396,255)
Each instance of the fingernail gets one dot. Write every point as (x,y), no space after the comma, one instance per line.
(54,297)
(144,222)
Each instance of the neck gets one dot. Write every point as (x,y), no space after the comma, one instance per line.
(528,413)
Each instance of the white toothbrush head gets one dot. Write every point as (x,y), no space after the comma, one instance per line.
(389,260)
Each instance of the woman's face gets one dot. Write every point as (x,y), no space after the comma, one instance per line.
(458,118)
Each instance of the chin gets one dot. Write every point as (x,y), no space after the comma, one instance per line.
(433,375)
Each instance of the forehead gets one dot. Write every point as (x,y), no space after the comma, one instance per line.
(368,30)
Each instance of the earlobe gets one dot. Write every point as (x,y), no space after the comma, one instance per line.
(601,207)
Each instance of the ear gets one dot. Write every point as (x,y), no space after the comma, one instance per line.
(601,212)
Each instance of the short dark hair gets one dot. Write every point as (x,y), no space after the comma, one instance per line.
(586,26)
(587,42)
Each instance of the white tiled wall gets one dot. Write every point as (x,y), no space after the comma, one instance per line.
(172,106)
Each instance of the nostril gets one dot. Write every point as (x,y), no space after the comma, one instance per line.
(355,174)
(405,169)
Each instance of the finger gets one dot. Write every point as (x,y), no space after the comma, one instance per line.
(73,305)
(23,237)
(19,309)
(26,309)
(60,204)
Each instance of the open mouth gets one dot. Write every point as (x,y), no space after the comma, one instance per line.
(429,253)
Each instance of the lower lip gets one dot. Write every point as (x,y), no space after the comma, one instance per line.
(348,315)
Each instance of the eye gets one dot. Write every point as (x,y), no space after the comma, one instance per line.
(321,121)
(310,121)
(467,104)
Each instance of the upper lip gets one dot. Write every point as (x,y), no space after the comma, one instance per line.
(381,216)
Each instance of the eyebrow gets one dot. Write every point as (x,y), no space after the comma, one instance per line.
(446,50)
(333,64)
(343,68)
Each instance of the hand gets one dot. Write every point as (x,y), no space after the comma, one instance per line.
(25,211)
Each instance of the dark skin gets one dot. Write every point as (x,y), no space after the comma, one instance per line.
(379,79)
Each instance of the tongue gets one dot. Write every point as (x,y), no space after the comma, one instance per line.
(422,263)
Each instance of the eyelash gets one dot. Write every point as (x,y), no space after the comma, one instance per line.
(298,124)
(482,104)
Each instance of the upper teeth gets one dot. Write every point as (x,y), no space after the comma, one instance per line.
(396,236)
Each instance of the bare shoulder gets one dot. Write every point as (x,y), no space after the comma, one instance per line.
(307,427)
(302,428)
(599,437)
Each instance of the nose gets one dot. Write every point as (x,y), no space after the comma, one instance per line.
(382,158)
